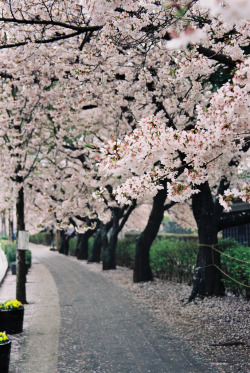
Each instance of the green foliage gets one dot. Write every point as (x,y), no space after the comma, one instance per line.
(174,259)
(72,246)
(4,238)
(9,248)
(28,257)
(172,227)
(91,242)
(236,264)
(42,238)
(125,252)
(171,258)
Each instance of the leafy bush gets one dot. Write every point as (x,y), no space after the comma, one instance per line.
(235,262)
(28,257)
(91,242)
(170,226)
(72,246)
(173,259)
(4,238)
(125,252)
(9,249)
(42,238)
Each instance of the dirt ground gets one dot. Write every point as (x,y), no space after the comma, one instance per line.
(219,328)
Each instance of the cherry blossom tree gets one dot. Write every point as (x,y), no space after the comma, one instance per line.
(152,142)
(120,47)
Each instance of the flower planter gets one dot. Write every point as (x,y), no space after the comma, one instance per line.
(5,356)
(13,267)
(11,321)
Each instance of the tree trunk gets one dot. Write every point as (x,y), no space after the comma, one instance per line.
(109,251)
(4,232)
(95,255)
(142,269)
(58,239)
(20,258)
(83,245)
(207,278)
(64,244)
(11,226)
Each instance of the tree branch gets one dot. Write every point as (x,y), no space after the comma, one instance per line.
(233,218)
(222,58)
(169,205)
(126,216)
(35,21)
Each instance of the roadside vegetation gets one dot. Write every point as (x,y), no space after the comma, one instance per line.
(173,257)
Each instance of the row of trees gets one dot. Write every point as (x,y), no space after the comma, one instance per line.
(77,78)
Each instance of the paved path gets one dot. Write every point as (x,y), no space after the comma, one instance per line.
(102,330)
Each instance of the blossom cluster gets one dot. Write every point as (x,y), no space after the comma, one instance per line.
(234,195)
(219,134)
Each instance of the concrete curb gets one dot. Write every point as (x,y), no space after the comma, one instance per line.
(3,266)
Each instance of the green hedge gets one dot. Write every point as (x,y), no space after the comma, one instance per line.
(164,236)
(235,262)
(125,252)
(175,259)
(73,245)
(5,238)
(42,238)
(171,259)
(9,249)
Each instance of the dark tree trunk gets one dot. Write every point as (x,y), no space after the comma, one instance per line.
(207,277)
(83,245)
(142,269)
(11,226)
(95,255)
(109,251)
(64,244)
(3,223)
(20,260)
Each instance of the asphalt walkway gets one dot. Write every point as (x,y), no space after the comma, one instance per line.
(78,321)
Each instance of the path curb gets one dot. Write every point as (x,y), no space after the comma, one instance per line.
(3,266)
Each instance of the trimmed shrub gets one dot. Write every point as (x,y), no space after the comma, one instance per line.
(125,252)
(42,238)
(173,259)
(235,261)
(72,246)
(4,238)
(9,249)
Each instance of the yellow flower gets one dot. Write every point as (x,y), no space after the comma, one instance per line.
(3,337)
(10,305)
